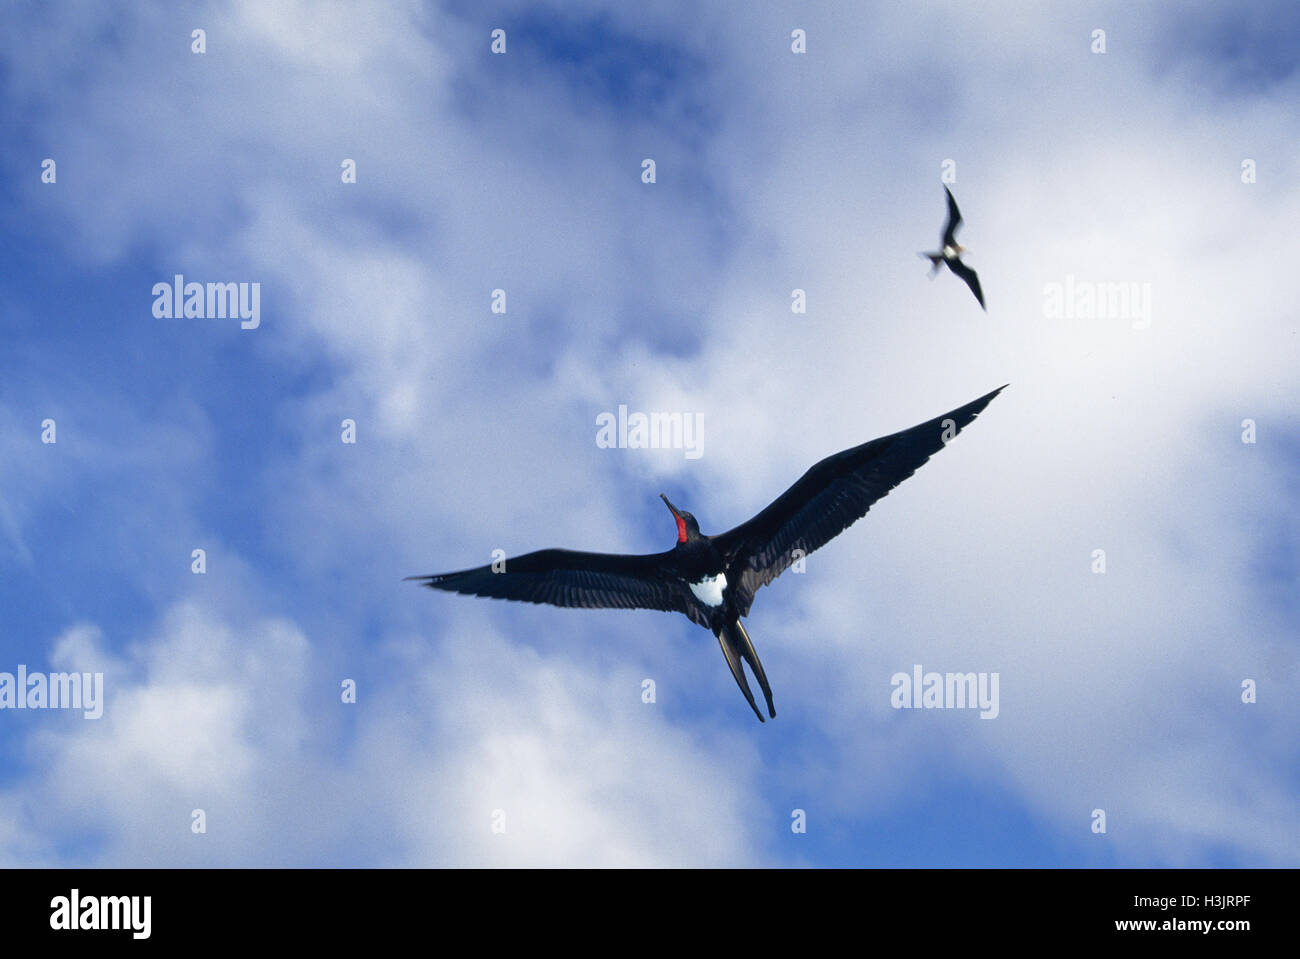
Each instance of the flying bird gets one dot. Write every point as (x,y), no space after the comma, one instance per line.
(713,579)
(952,251)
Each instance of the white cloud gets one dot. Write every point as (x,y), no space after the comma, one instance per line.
(244,724)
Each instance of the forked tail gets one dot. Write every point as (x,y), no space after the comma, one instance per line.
(736,646)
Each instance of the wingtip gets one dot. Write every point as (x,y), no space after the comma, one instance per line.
(983,401)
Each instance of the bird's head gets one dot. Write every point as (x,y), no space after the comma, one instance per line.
(687,528)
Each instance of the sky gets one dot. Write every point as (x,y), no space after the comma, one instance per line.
(1146,713)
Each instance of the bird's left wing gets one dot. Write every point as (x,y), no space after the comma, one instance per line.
(829,498)
(954,220)
(564,577)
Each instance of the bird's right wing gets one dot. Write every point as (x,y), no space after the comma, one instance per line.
(564,577)
(829,498)
(954,220)
(973,281)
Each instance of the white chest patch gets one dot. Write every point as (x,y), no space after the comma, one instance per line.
(709,590)
(949,252)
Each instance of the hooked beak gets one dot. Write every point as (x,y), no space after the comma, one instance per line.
(670,506)
(682,534)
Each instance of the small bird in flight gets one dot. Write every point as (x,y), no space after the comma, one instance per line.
(952,251)
(712,579)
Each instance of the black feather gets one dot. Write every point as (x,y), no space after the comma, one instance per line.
(828,499)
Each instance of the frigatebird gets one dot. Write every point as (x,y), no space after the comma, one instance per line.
(952,251)
(712,579)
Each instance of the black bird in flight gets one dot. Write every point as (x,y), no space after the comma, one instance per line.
(952,251)
(712,579)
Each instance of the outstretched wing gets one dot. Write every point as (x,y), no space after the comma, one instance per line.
(564,577)
(973,281)
(954,220)
(829,498)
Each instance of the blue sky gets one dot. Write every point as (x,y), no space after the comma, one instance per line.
(476,431)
